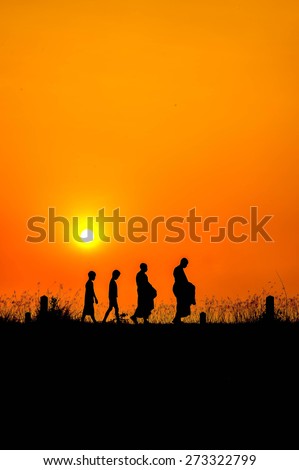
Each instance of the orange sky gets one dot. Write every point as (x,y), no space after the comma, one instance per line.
(154,107)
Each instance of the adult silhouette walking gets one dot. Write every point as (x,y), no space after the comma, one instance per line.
(145,296)
(90,298)
(184,292)
(112,294)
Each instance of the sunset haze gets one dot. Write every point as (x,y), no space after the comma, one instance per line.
(155,108)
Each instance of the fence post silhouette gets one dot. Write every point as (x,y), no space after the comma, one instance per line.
(202,318)
(44,301)
(27,317)
(270,308)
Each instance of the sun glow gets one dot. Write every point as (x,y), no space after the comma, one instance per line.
(87,239)
(87,235)
(153,108)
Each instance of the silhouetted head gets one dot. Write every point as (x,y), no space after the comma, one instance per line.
(92,275)
(115,274)
(184,262)
(143,267)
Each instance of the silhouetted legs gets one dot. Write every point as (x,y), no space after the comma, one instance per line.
(112,304)
(134,316)
(182,309)
(179,307)
(91,316)
(134,319)
(145,313)
(177,319)
(88,310)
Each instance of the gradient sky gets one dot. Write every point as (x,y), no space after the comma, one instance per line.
(154,107)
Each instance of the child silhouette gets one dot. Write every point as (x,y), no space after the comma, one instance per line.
(90,298)
(113,296)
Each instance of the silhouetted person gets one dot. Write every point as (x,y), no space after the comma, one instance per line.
(90,298)
(184,292)
(113,296)
(145,296)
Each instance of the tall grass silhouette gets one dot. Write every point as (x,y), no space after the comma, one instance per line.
(66,304)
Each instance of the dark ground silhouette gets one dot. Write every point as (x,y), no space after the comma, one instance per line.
(74,385)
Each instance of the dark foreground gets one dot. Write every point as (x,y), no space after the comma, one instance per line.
(85,386)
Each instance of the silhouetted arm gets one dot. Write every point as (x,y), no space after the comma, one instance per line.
(94,296)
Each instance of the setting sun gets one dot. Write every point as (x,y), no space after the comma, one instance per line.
(87,235)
